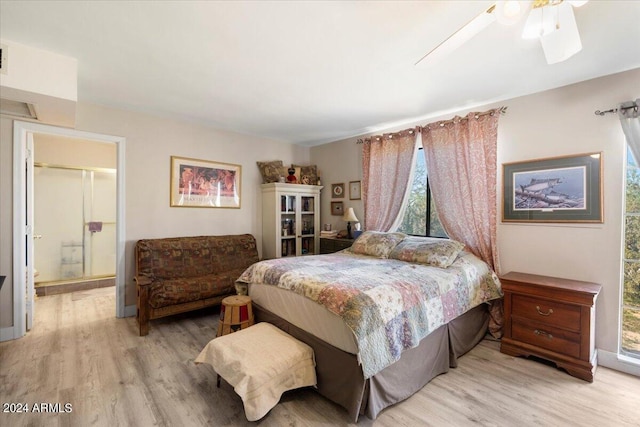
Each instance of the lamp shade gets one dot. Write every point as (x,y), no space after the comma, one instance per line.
(350,216)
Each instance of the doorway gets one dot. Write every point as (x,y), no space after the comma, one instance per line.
(23,252)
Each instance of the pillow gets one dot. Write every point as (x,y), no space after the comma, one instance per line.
(376,243)
(427,250)
(271,171)
(308,174)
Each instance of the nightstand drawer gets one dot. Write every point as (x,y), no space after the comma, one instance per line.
(544,336)
(552,313)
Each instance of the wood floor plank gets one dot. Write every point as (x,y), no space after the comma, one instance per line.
(79,353)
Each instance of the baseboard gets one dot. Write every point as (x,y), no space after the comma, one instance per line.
(130,310)
(617,362)
(7,333)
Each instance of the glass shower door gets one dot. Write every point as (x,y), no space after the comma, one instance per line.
(74,212)
(100,246)
(58,216)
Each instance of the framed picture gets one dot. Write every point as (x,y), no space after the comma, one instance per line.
(337,208)
(559,189)
(337,191)
(354,190)
(204,184)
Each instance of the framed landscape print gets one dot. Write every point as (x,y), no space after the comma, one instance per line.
(559,189)
(204,184)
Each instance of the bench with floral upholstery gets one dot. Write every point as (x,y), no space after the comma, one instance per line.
(179,274)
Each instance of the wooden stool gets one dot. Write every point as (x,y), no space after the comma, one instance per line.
(235,314)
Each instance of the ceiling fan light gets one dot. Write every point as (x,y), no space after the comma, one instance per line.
(511,11)
(564,42)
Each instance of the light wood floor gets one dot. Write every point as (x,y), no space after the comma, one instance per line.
(79,353)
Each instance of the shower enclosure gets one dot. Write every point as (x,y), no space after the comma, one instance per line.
(75,227)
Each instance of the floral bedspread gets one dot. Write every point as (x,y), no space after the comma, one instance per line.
(389,305)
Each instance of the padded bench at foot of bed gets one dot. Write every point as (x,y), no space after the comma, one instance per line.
(261,362)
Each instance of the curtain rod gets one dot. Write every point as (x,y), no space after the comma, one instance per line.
(624,106)
(499,110)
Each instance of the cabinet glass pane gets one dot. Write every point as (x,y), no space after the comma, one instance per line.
(288,225)
(287,203)
(307,204)
(308,247)
(289,246)
(307,224)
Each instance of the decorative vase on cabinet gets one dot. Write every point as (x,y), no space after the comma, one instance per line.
(290,220)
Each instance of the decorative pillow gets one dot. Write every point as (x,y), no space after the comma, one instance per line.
(308,174)
(271,171)
(427,250)
(376,243)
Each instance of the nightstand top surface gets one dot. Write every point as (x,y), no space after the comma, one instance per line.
(552,282)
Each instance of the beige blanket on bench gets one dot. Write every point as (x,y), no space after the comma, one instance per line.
(260,362)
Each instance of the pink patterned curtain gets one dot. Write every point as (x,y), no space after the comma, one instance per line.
(461,162)
(386,166)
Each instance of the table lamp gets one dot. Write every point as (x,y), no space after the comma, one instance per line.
(350,217)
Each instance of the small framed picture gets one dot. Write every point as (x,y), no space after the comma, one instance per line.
(337,208)
(337,191)
(354,190)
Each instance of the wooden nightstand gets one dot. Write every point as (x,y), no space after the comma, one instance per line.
(551,318)
(329,245)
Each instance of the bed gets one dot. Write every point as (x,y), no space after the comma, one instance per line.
(383,317)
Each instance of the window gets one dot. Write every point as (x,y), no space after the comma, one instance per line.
(630,345)
(420,217)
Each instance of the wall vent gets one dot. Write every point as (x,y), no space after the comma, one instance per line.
(13,108)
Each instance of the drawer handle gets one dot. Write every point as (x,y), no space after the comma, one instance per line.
(544,314)
(543,333)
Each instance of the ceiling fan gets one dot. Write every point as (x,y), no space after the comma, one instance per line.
(552,21)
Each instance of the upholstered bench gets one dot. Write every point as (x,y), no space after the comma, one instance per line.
(261,362)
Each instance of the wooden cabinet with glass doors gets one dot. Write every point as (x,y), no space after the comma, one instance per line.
(290,220)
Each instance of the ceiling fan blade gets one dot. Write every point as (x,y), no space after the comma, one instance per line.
(564,41)
(464,34)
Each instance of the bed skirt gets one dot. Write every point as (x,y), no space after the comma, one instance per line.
(340,377)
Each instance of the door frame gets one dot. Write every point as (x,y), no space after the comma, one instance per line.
(21,130)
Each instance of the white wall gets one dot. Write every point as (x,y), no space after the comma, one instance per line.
(38,71)
(47,80)
(548,124)
(561,122)
(338,163)
(151,141)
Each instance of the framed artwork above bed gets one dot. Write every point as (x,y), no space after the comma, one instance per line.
(558,189)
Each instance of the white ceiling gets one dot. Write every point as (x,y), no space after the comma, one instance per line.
(308,72)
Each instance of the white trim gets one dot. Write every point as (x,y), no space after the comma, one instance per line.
(618,362)
(131,311)
(19,229)
(20,131)
(6,334)
(120,229)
